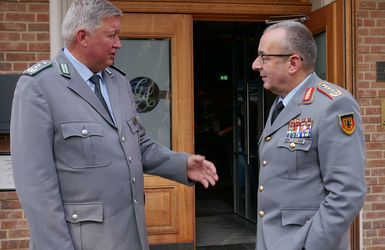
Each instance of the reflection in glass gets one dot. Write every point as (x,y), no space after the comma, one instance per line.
(150,60)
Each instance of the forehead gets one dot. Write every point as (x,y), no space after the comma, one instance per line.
(271,39)
(110,23)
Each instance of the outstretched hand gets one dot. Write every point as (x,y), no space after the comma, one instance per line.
(201,170)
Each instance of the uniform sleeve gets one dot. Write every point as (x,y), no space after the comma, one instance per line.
(34,169)
(342,162)
(159,160)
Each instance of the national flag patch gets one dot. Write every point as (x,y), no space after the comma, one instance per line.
(347,122)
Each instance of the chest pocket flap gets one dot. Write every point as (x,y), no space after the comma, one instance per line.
(293,144)
(81,129)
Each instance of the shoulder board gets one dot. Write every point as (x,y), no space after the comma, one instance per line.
(115,68)
(38,67)
(329,90)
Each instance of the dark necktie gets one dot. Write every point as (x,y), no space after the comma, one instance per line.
(276,111)
(95,80)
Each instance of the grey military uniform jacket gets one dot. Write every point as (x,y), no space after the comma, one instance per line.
(312,171)
(78,175)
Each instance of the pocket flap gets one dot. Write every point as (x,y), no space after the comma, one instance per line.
(78,212)
(294,143)
(293,216)
(81,129)
(134,125)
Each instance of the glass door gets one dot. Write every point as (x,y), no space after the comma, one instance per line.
(248,120)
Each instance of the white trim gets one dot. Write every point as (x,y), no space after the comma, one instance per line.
(57,11)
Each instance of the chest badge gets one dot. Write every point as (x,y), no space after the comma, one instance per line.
(300,128)
(347,123)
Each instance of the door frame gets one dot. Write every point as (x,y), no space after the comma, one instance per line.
(259,10)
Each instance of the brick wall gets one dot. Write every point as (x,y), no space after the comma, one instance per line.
(370,49)
(24,39)
(24,34)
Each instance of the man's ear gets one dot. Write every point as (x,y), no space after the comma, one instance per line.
(295,63)
(81,36)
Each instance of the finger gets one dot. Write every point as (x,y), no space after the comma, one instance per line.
(205,183)
(210,180)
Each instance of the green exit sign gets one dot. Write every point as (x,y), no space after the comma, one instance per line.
(223,77)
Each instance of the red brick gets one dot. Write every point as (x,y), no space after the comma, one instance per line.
(20,66)
(20,57)
(377,14)
(5,66)
(10,204)
(378,241)
(28,37)
(42,17)
(21,233)
(4,6)
(13,46)
(38,27)
(10,214)
(42,56)
(377,31)
(13,244)
(8,196)
(379,224)
(3,234)
(13,26)
(43,37)
(9,36)
(37,47)
(37,8)
(20,17)
(367,4)
(377,49)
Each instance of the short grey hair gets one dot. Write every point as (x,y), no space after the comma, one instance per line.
(88,15)
(299,40)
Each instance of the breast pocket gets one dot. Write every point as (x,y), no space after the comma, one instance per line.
(85,145)
(295,157)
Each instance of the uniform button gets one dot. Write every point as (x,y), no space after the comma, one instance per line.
(261,213)
(84,132)
(123,139)
(135,201)
(261,188)
(268,138)
(133,180)
(130,159)
(264,163)
(75,216)
(292,145)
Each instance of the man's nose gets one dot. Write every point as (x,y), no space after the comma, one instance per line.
(256,65)
(117,43)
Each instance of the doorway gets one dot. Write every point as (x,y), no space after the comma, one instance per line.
(229,116)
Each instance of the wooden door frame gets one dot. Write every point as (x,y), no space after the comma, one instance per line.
(260,10)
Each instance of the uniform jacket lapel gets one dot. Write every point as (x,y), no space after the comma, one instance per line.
(292,110)
(77,85)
